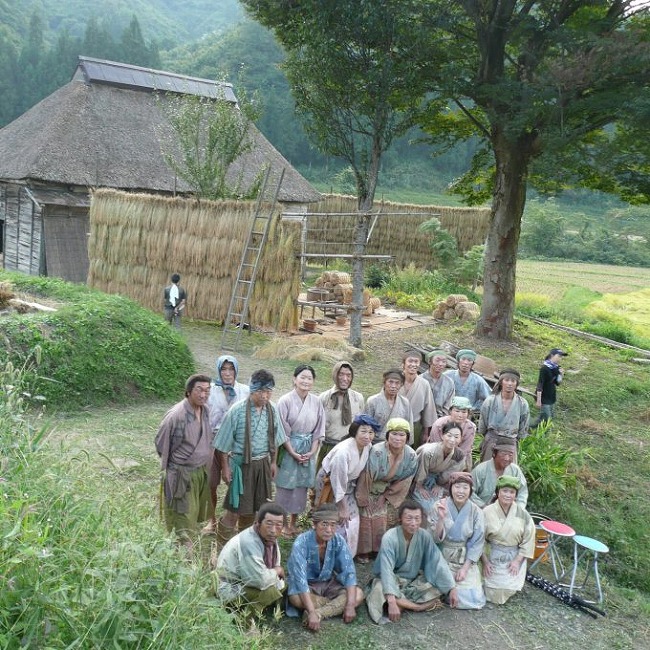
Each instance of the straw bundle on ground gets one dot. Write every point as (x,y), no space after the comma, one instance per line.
(453,299)
(453,307)
(309,348)
(472,312)
(138,240)
(6,294)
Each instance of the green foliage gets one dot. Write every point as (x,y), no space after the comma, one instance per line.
(96,348)
(349,66)
(418,289)
(551,229)
(533,304)
(81,566)
(468,269)
(551,467)
(443,245)
(376,276)
(211,135)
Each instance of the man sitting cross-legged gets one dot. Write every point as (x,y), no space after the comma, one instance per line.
(411,572)
(322,579)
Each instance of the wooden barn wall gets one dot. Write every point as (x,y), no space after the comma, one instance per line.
(397,235)
(22,230)
(66,242)
(137,241)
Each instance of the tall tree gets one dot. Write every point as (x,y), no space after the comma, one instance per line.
(540,82)
(208,136)
(351,72)
(134,50)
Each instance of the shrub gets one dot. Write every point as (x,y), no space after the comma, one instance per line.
(376,276)
(95,348)
(533,304)
(550,466)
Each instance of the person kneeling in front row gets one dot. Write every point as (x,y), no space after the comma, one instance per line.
(249,567)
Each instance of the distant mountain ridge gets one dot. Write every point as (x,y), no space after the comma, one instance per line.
(167,21)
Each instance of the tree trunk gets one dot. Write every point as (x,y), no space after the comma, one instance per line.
(366,187)
(360,237)
(508,203)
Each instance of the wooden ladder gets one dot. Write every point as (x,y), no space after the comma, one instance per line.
(242,291)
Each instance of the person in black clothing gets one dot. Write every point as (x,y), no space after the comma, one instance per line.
(550,377)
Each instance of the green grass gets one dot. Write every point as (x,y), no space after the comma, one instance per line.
(84,563)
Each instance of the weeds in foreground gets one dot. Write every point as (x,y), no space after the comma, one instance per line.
(78,569)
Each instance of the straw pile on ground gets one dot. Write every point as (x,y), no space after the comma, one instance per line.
(456,306)
(397,234)
(309,348)
(6,294)
(138,240)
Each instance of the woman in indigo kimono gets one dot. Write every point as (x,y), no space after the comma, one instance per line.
(383,486)
(509,541)
(303,419)
(437,461)
(458,528)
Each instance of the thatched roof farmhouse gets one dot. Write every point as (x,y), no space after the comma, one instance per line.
(102,129)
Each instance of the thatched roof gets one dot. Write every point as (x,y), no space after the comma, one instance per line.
(94,133)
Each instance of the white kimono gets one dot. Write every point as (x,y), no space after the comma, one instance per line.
(343,465)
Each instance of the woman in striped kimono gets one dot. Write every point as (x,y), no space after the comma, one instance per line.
(437,461)
(383,486)
(509,541)
(337,478)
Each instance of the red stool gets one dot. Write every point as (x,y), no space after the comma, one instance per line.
(556,531)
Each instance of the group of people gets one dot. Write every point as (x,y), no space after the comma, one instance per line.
(389,478)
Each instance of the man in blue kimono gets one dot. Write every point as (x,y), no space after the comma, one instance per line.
(322,580)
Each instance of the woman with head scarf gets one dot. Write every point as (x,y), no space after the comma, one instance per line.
(303,419)
(383,485)
(457,526)
(509,541)
(337,478)
(341,404)
(225,391)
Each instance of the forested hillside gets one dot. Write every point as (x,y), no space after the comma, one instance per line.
(169,22)
(40,41)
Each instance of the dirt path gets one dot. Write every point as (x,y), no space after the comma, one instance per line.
(531,620)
